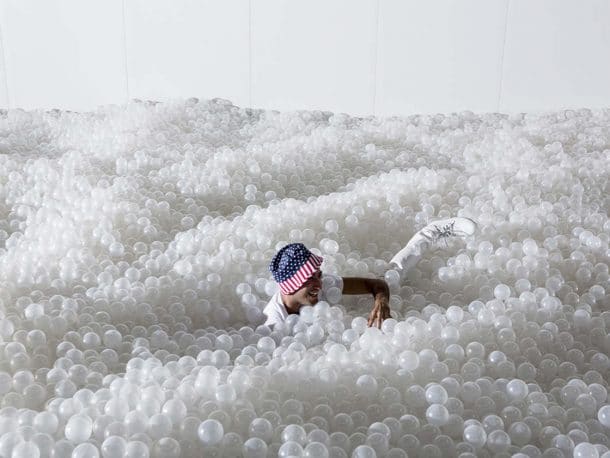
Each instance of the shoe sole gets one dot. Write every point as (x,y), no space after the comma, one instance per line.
(465,226)
(468,227)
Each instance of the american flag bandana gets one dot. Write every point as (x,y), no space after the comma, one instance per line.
(292,266)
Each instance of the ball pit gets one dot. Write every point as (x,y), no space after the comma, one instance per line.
(134,245)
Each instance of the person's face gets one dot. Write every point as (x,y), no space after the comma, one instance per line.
(308,294)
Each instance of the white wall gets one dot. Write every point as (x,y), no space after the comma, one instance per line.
(357,56)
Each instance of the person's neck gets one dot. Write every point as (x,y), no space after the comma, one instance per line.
(291,304)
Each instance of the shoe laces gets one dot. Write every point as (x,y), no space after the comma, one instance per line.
(441,232)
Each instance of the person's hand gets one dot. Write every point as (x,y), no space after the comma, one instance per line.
(380,312)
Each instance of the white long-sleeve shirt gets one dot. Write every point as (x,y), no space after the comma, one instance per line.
(276,312)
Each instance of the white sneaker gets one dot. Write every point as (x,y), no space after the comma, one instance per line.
(430,236)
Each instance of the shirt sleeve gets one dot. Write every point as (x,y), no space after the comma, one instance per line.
(273,317)
(272,313)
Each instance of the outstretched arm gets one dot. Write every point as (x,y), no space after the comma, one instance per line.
(381,295)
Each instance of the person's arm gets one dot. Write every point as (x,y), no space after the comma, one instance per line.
(381,295)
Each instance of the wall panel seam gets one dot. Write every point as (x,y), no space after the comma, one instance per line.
(375,54)
(125,53)
(501,85)
(3,63)
(249,53)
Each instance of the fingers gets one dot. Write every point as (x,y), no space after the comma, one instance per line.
(386,313)
(369,323)
(373,317)
(380,312)
(376,319)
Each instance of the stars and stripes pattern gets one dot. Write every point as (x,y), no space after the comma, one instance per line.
(292,266)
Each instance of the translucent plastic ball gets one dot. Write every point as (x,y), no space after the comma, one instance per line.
(289,449)
(78,429)
(166,447)
(63,447)
(113,446)
(520,433)
(225,395)
(491,423)
(46,422)
(454,314)
(210,432)
(381,428)
(159,425)
(408,360)
(26,449)
(517,390)
(436,394)
(254,448)
(498,441)
(367,385)
(315,334)
(6,382)
(175,410)
(585,450)
(475,435)
(318,435)
(136,449)
(266,344)
(437,414)
(315,450)
(396,453)
(364,451)
(294,433)
(502,292)
(261,428)
(603,415)
(378,442)
(85,450)
(116,408)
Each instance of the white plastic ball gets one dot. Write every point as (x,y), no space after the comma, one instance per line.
(254,448)
(210,432)
(78,429)
(517,390)
(603,415)
(85,450)
(475,435)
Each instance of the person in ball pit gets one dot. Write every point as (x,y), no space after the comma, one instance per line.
(297,272)
(301,282)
